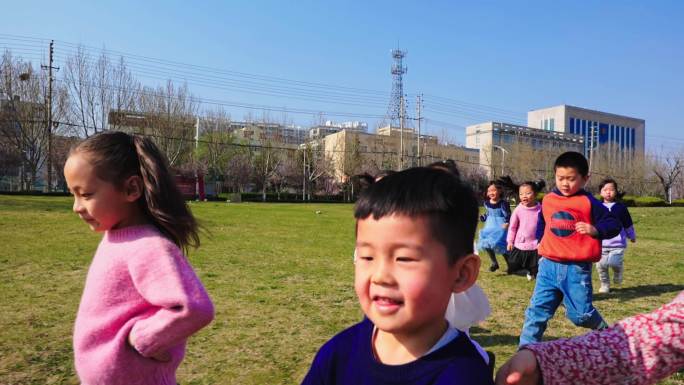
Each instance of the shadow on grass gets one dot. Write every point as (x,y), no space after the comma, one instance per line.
(629,293)
(487,341)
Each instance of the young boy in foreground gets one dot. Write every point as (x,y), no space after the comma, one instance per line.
(414,248)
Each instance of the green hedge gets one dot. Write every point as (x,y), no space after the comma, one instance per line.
(283,198)
(678,203)
(634,201)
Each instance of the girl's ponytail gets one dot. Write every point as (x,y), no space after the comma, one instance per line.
(509,185)
(163,203)
(537,186)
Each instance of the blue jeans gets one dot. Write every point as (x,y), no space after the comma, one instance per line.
(569,282)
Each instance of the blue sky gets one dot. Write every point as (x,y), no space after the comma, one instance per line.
(624,57)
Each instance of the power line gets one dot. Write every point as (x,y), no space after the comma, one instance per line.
(151,68)
(378,96)
(236,104)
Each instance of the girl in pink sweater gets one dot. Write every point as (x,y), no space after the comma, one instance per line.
(142,300)
(522,238)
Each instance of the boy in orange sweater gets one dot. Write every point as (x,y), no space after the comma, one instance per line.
(571,225)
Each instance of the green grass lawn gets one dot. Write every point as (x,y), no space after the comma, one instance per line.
(280,276)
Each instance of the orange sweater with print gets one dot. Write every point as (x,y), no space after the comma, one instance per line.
(559,214)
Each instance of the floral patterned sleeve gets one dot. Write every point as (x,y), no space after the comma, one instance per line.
(637,350)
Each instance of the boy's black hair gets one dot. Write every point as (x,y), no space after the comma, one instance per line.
(383,173)
(572,159)
(363,180)
(449,205)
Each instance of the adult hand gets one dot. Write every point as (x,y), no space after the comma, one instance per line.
(521,369)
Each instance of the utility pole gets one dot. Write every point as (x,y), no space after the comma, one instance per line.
(304,176)
(418,107)
(197,182)
(49,67)
(591,145)
(401,133)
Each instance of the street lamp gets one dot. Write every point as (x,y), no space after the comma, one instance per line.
(503,156)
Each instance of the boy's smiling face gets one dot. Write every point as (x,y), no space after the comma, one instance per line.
(402,276)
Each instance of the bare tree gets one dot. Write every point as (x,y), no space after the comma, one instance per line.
(313,167)
(239,168)
(266,162)
(125,89)
(23,117)
(216,142)
(170,112)
(95,87)
(668,168)
(78,75)
(352,163)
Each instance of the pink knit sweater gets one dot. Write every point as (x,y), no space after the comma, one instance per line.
(139,283)
(638,350)
(523,227)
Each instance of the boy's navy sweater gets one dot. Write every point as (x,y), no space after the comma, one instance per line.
(619,210)
(348,359)
(606,224)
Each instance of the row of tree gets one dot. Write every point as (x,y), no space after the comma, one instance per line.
(88,89)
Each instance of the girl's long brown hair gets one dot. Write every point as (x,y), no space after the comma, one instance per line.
(116,156)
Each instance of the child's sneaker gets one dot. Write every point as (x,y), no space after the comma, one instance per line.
(494,267)
(604,289)
(530,277)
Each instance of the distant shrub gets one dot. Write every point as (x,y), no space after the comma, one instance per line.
(649,202)
(678,203)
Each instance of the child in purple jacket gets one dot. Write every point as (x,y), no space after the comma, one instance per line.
(613,249)
(522,239)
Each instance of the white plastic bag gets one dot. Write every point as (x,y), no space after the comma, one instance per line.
(468,308)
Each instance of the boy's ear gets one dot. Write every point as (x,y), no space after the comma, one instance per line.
(133,188)
(466,269)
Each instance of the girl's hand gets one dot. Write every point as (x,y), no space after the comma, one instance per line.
(161,357)
(586,229)
(521,369)
(504,226)
(509,247)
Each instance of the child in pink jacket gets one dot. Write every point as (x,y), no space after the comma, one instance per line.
(522,232)
(142,299)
